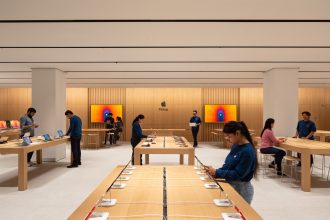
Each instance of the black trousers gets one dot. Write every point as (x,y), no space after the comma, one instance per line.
(312,160)
(195,134)
(134,143)
(75,149)
(279,154)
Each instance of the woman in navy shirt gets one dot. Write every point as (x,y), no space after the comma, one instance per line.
(241,163)
(137,134)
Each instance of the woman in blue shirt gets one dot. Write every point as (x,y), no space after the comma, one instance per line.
(241,163)
(137,134)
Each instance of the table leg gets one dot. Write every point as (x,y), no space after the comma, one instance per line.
(322,138)
(137,157)
(22,171)
(146,156)
(305,172)
(181,159)
(39,156)
(191,158)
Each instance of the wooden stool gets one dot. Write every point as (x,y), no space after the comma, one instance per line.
(264,160)
(92,140)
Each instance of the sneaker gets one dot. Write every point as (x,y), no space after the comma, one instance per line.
(279,173)
(72,166)
(79,163)
(271,166)
(31,164)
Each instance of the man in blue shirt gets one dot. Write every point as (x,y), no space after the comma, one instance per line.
(74,131)
(197,120)
(306,129)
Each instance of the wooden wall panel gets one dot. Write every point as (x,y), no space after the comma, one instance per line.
(316,101)
(179,101)
(251,108)
(217,96)
(14,102)
(77,102)
(107,96)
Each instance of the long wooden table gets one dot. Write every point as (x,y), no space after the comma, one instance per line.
(14,147)
(10,133)
(322,134)
(155,192)
(224,140)
(164,145)
(306,148)
(166,131)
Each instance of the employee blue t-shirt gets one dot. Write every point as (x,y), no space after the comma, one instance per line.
(239,164)
(75,129)
(304,128)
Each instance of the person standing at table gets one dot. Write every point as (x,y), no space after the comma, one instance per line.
(137,134)
(75,131)
(27,125)
(118,129)
(109,124)
(268,143)
(195,128)
(305,130)
(241,164)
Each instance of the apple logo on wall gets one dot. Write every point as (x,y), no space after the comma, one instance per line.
(163,106)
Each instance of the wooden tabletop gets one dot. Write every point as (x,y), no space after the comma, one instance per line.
(158,143)
(143,196)
(164,129)
(96,129)
(15,145)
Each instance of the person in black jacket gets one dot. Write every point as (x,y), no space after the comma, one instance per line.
(194,129)
(137,134)
(118,129)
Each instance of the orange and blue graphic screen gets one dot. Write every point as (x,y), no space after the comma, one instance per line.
(220,113)
(100,112)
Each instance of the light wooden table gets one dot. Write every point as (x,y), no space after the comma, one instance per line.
(166,132)
(100,131)
(13,147)
(11,133)
(169,147)
(224,140)
(322,134)
(143,196)
(306,148)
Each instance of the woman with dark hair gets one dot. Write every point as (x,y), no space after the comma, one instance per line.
(241,164)
(137,134)
(268,143)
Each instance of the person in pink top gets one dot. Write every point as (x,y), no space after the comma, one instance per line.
(268,143)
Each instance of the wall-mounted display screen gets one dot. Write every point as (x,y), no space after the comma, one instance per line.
(220,113)
(3,125)
(14,123)
(100,112)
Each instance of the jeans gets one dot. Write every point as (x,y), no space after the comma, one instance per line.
(245,189)
(279,154)
(195,133)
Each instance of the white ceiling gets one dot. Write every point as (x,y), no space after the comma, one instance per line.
(152,43)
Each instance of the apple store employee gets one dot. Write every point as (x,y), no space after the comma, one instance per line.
(197,120)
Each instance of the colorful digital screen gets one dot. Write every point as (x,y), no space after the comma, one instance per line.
(14,124)
(100,112)
(220,113)
(3,125)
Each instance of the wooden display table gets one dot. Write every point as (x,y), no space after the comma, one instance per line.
(157,192)
(164,145)
(14,147)
(166,132)
(224,140)
(306,148)
(322,134)
(100,131)
(11,133)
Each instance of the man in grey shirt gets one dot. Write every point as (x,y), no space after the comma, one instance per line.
(27,125)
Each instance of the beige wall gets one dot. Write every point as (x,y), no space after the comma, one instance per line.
(180,102)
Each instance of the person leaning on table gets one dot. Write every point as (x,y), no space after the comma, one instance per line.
(27,125)
(75,131)
(241,163)
(305,130)
(137,134)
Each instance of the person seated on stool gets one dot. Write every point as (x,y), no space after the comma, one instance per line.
(305,130)
(268,141)
(241,163)
(75,131)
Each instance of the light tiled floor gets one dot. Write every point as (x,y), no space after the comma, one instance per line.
(55,191)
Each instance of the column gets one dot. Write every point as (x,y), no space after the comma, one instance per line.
(280,99)
(49,99)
